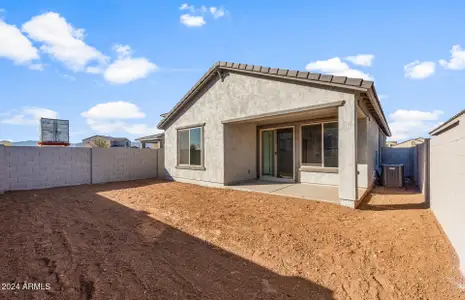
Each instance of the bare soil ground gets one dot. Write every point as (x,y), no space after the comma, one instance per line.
(166,240)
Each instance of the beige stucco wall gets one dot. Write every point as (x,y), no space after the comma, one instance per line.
(370,137)
(373,149)
(240,146)
(237,96)
(319,178)
(447,177)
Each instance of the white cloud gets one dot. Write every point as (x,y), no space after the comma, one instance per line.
(419,70)
(457,60)
(15,46)
(28,116)
(186,6)
(36,67)
(415,115)
(217,12)
(108,127)
(68,77)
(126,68)
(407,124)
(193,9)
(114,110)
(94,70)
(192,21)
(364,60)
(62,41)
(337,67)
(112,117)
(196,15)
(122,50)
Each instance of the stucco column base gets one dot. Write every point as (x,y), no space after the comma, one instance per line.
(348,203)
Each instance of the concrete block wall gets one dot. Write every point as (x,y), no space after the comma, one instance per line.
(423,168)
(27,168)
(403,156)
(447,178)
(3,170)
(36,168)
(121,164)
(161,173)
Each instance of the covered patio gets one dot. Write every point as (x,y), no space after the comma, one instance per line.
(317,192)
(319,152)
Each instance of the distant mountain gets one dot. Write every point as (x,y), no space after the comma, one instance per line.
(31,143)
(25,143)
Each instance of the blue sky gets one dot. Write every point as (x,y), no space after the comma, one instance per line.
(112,67)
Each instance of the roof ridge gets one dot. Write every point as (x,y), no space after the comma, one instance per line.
(344,80)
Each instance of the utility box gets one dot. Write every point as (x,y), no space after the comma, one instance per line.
(393,175)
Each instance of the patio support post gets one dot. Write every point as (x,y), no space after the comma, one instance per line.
(347,120)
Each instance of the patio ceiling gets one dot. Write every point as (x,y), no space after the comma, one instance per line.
(314,112)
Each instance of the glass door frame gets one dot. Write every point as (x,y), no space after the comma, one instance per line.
(260,155)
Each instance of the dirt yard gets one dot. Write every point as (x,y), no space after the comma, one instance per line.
(164,240)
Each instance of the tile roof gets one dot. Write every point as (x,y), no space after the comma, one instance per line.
(157,136)
(356,82)
(298,76)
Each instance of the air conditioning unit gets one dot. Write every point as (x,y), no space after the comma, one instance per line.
(393,175)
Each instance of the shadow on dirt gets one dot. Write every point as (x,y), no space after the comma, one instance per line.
(89,247)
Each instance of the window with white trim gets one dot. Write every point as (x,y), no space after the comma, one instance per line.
(190,146)
(320,145)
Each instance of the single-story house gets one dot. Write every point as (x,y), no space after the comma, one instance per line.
(157,141)
(409,143)
(242,122)
(391,143)
(112,141)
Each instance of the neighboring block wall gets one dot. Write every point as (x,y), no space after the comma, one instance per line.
(422,162)
(447,178)
(3,170)
(120,164)
(37,168)
(405,156)
(25,168)
(161,172)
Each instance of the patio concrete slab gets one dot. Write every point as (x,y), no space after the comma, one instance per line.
(301,190)
(314,192)
(261,186)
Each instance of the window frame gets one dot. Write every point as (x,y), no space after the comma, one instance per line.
(202,148)
(322,164)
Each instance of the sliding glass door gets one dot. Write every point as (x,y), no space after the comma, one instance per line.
(268,153)
(285,152)
(277,153)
